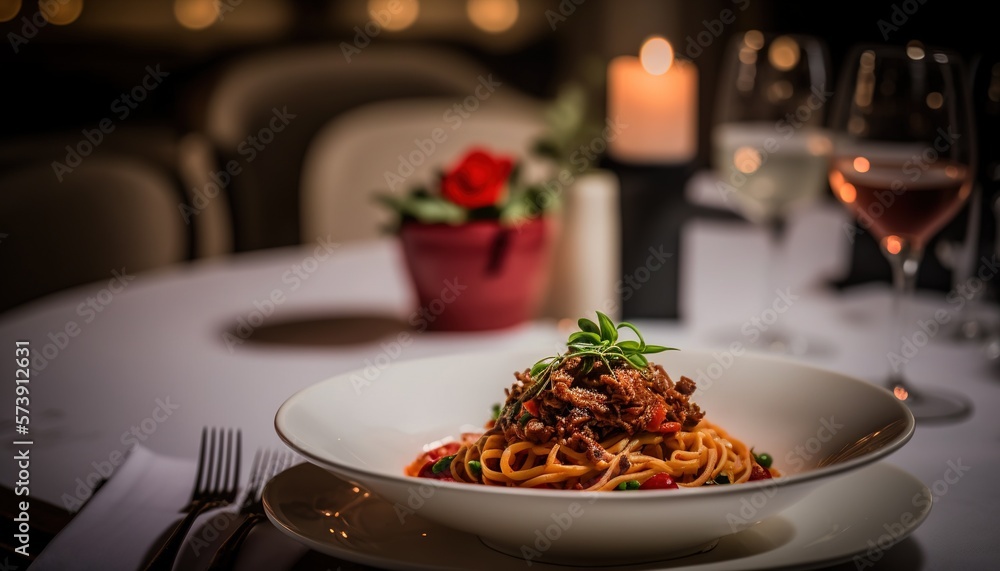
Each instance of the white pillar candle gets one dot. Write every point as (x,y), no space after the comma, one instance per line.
(654,100)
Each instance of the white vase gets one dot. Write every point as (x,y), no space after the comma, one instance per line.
(586,268)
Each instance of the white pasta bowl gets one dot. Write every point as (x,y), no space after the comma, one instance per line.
(368,430)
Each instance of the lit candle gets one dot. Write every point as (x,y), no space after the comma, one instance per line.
(653,100)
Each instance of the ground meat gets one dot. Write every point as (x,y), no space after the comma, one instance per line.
(579,409)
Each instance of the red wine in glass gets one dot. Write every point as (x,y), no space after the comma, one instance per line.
(901,200)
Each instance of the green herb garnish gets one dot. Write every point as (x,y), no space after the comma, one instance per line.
(593,342)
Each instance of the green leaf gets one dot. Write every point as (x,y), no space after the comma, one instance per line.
(638,361)
(539,367)
(585,336)
(433,210)
(608,330)
(629,345)
(657,349)
(588,325)
(627,325)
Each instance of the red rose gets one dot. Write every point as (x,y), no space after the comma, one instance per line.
(478,180)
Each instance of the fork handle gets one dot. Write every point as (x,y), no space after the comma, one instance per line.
(165,557)
(225,557)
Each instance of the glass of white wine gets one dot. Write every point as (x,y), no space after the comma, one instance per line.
(770,147)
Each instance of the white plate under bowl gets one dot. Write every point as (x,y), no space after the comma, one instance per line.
(334,517)
(367,430)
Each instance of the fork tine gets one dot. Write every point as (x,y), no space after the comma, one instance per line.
(219,462)
(202,454)
(235,483)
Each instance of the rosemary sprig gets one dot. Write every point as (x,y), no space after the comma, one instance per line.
(593,342)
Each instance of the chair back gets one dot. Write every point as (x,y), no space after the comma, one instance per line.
(264,111)
(111,214)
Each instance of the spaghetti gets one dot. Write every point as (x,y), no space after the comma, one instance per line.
(587,420)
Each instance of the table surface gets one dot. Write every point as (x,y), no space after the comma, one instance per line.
(164,355)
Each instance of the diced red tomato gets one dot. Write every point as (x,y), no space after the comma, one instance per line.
(443,450)
(427,459)
(668,427)
(759,472)
(659,482)
(656,423)
(659,413)
(531,407)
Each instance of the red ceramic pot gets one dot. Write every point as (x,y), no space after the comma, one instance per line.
(480,275)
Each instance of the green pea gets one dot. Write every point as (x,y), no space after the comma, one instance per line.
(764,459)
(476,467)
(442,464)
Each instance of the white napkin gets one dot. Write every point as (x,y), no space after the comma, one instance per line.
(134,511)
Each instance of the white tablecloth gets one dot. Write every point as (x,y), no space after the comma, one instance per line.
(155,362)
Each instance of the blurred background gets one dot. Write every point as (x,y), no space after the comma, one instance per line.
(151,133)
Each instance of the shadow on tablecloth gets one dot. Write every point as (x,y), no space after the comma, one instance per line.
(335,330)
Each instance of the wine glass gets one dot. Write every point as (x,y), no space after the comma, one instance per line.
(770,147)
(903,163)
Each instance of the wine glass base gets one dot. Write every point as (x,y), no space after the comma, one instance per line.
(931,405)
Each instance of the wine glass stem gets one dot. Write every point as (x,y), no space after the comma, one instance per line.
(775,239)
(905,265)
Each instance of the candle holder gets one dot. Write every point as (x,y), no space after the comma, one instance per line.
(653,98)
(653,207)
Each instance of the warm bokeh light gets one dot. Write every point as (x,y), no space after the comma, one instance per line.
(779,91)
(783,53)
(861,164)
(9,9)
(819,145)
(656,55)
(493,16)
(747,160)
(900,393)
(857,125)
(893,244)
(915,51)
(753,39)
(951,171)
(402,13)
(935,100)
(847,193)
(836,179)
(62,12)
(196,14)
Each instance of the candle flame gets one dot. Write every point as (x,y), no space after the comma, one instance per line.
(656,55)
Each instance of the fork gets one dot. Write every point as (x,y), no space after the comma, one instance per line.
(215,485)
(266,465)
